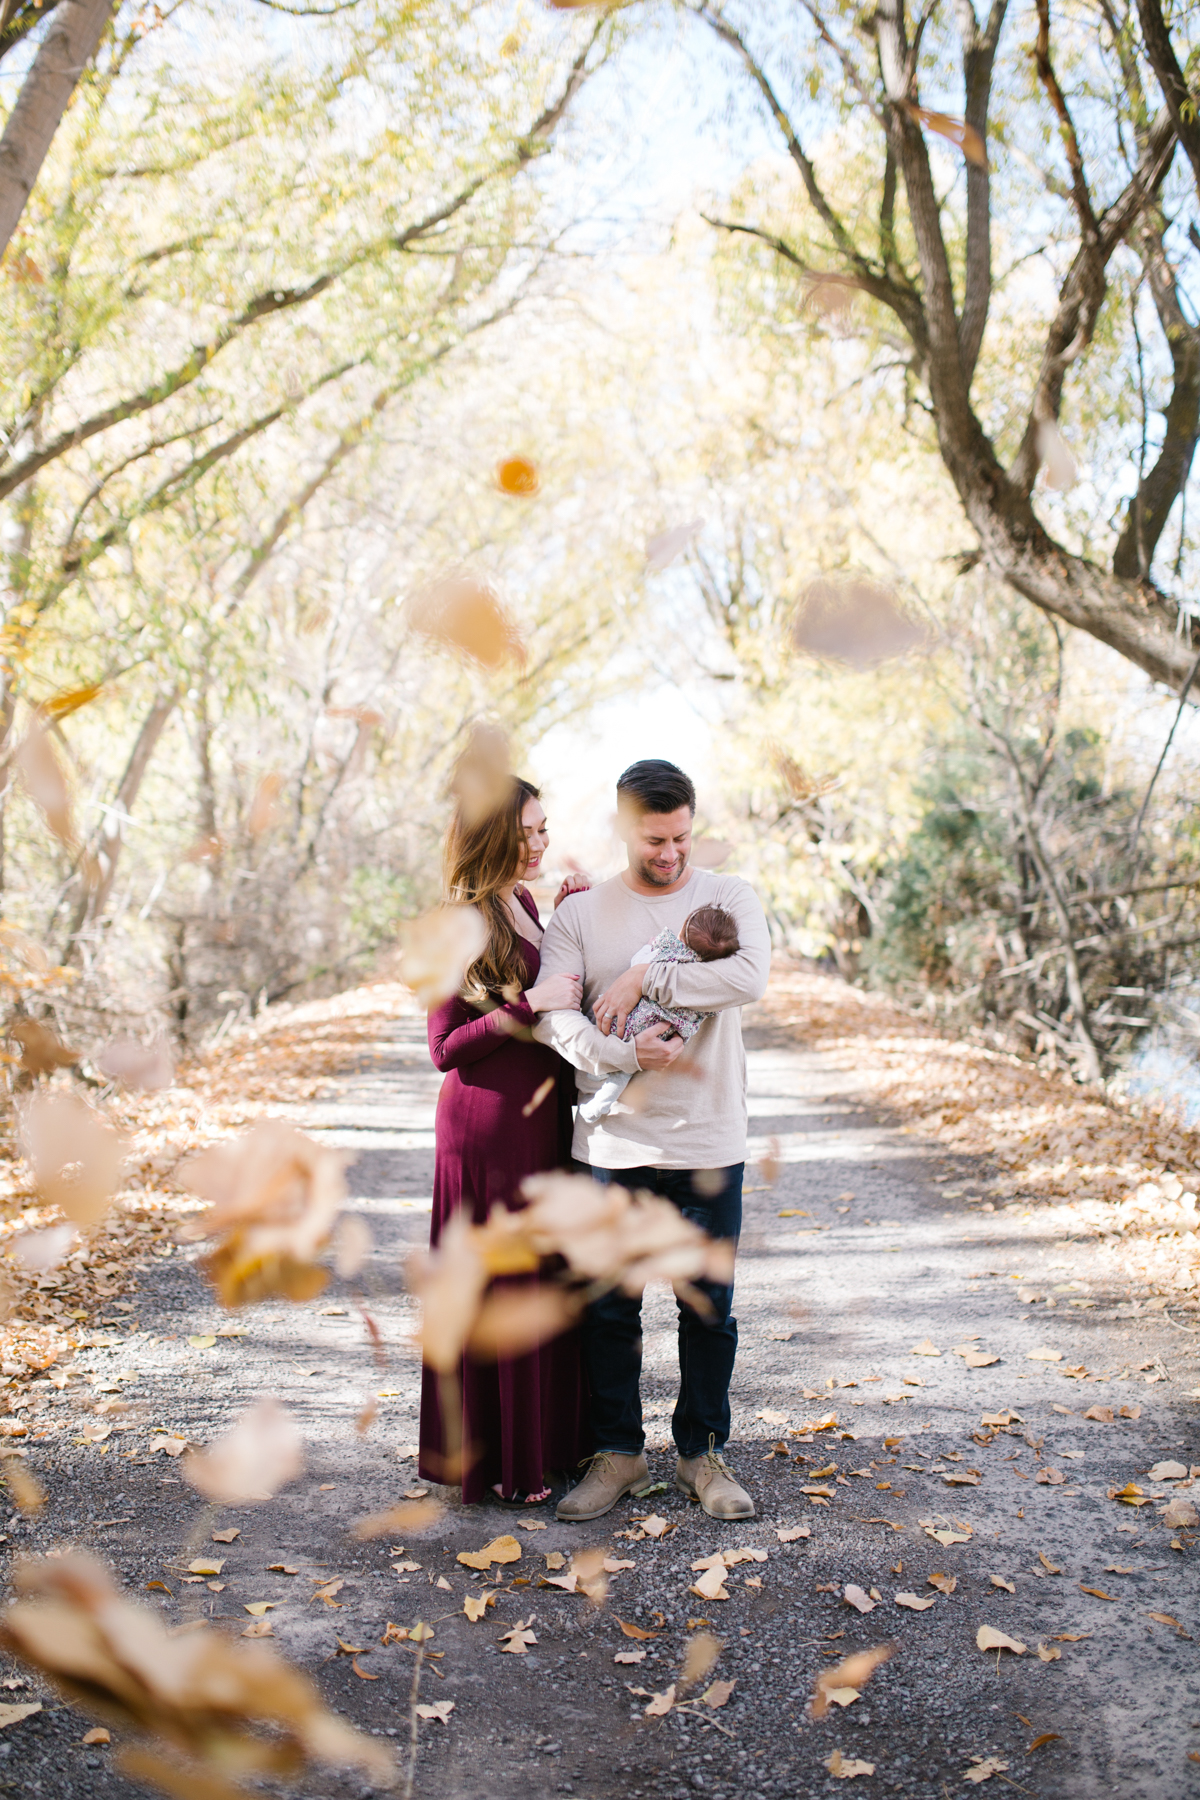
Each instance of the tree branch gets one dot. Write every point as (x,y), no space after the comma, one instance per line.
(979,60)
(63,54)
(1171,79)
(1161,486)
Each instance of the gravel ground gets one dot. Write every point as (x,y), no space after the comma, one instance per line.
(875,1252)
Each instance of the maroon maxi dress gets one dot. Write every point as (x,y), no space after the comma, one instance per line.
(524,1416)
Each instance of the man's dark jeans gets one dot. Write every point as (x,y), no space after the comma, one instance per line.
(612,1328)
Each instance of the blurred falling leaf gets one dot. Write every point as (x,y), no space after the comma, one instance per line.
(770,1167)
(199,1692)
(959,133)
(44,780)
(853,620)
(449,1283)
(352,1244)
(26,948)
(1060,466)
(435,951)
(514,1322)
(481,783)
(412,1518)
(27,1492)
(831,294)
(539,1094)
(702,1652)
(143,1068)
(988,1638)
(517,477)
(76,1157)
(803,788)
(710,853)
(274,1195)
(264,808)
(251,1462)
(205,849)
(39,1250)
(62,705)
(465,614)
(42,1050)
(665,546)
(855,1671)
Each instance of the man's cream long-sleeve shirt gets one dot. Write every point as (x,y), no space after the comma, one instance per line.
(693,1116)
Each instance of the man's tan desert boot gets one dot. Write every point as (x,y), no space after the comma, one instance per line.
(609,1479)
(709,1479)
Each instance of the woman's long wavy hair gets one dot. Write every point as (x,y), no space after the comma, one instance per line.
(482,856)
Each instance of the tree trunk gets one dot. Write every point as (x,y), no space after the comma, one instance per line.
(65,52)
(93,900)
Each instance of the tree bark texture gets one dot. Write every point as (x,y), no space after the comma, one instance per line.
(65,51)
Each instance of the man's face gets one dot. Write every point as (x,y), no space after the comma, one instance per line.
(659,844)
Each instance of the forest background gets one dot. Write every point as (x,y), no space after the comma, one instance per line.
(618,329)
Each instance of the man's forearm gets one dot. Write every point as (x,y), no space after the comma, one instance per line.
(709,987)
(581,1044)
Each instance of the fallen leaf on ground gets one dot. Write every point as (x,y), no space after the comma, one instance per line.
(925,1348)
(1050,1568)
(847,1766)
(438,1710)
(202,1566)
(1130,1495)
(475,1605)
(718,1693)
(518,1640)
(711,1585)
(256,1608)
(1167,1619)
(984,1767)
(915,1603)
(1051,1477)
(793,1533)
(653,1526)
(661,1704)
(999,1582)
(854,1596)
(988,1638)
(13,1713)
(976,1359)
(634,1631)
(842,1696)
(630,1656)
(97,1735)
(1103,1415)
(1181,1512)
(1040,1355)
(771,1417)
(227,1536)
(855,1671)
(501,1550)
(1044,1737)
(1048,1655)
(1168,1471)
(1097,1593)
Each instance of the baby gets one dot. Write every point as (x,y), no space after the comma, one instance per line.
(709,935)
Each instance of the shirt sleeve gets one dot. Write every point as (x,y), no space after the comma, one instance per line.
(570,1031)
(458,1035)
(734,981)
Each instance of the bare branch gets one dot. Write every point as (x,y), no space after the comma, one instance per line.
(979,59)
(1172,81)
(1088,224)
(62,56)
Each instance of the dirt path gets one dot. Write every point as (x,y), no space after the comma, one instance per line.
(853,1257)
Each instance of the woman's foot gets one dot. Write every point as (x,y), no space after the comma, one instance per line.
(519,1499)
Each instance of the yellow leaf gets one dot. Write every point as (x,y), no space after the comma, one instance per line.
(202,1566)
(475,1605)
(988,1638)
(914,1603)
(500,1550)
(847,1766)
(204,1342)
(256,1608)
(13,1714)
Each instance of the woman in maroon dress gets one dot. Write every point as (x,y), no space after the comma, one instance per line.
(521,1417)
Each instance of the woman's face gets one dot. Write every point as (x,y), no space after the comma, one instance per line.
(533,830)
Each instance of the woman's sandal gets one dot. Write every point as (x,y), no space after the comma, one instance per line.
(519,1499)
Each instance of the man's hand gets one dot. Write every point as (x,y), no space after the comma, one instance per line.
(655,1050)
(572,884)
(615,1006)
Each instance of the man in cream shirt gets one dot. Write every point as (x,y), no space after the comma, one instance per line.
(683,1137)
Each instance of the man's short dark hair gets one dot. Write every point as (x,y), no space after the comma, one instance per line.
(655,786)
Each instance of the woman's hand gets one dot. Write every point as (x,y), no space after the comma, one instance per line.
(558,993)
(572,884)
(615,1005)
